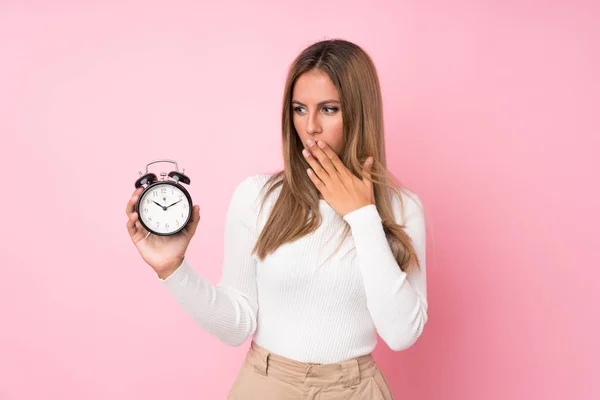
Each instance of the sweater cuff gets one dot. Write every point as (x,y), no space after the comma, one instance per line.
(175,275)
(364,219)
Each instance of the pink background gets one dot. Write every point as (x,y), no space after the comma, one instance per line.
(491,112)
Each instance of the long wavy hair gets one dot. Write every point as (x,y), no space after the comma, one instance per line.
(296,210)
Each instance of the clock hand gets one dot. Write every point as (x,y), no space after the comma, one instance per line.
(173,204)
(163,207)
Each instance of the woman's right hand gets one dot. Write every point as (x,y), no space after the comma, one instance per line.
(163,253)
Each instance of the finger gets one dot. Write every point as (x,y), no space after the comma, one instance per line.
(193,225)
(316,166)
(140,228)
(132,201)
(332,157)
(324,161)
(195,218)
(131,225)
(315,179)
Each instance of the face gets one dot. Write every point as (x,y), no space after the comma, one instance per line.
(316,110)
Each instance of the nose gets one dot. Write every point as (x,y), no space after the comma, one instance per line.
(313,126)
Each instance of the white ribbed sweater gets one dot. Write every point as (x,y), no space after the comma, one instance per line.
(299,310)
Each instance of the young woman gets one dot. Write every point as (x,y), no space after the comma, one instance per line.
(319,257)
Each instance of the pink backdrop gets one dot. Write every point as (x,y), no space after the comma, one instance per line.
(491,110)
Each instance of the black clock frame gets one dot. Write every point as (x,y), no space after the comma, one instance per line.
(180,187)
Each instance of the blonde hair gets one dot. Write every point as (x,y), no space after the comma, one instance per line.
(296,210)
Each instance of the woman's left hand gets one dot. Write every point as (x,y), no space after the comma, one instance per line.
(340,188)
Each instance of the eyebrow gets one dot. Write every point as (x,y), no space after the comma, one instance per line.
(320,103)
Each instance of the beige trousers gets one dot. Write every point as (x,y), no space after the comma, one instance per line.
(268,376)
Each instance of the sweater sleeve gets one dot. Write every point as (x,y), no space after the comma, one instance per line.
(396,300)
(229,309)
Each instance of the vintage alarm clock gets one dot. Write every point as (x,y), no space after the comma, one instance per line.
(165,206)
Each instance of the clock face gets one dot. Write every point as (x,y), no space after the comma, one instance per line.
(164,208)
